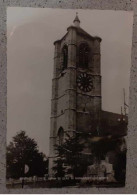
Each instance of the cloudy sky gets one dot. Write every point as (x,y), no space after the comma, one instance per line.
(30,51)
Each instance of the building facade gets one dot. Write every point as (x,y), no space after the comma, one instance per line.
(76,89)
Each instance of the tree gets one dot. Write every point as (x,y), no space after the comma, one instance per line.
(75,158)
(24,150)
(70,154)
(59,168)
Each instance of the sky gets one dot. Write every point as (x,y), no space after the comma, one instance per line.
(30,51)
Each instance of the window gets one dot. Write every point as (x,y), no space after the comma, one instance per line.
(61,135)
(65,57)
(83,55)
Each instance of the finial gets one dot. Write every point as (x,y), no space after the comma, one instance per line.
(76,20)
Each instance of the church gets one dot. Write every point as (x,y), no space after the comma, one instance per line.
(76,104)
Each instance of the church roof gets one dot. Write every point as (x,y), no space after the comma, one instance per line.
(82,32)
(79,31)
(116,123)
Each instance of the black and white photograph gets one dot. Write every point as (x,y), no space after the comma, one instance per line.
(68,73)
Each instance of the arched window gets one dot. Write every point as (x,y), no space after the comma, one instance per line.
(60,135)
(83,55)
(65,57)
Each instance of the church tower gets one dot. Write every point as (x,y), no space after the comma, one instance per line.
(76,85)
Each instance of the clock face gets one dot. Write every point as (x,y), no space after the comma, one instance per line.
(85,82)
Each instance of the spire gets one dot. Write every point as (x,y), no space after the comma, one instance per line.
(76,20)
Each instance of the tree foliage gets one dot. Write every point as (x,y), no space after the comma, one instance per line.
(59,168)
(70,156)
(24,150)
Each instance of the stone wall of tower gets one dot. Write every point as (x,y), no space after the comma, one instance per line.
(63,104)
(53,119)
(72,109)
(96,60)
(89,103)
(67,87)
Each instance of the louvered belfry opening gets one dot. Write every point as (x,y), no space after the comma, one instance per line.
(65,57)
(83,55)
